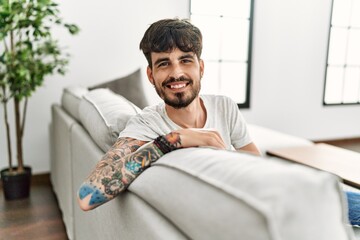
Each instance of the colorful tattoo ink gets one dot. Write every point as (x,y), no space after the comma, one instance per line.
(122,164)
(168,143)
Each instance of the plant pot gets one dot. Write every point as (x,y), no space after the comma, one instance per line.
(17,185)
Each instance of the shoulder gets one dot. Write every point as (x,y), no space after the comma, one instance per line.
(146,125)
(150,113)
(218,100)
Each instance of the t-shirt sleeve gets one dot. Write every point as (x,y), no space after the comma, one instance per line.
(239,133)
(138,128)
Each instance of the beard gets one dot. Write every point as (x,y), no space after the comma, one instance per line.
(181,99)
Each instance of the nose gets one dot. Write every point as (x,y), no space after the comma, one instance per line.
(176,71)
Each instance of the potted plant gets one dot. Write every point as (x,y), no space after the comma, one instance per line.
(28,54)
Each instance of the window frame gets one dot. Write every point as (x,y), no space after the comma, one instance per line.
(344,66)
(247,90)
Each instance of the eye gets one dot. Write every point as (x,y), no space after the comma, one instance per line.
(163,64)
(186,60)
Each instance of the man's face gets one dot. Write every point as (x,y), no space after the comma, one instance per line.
(176,76)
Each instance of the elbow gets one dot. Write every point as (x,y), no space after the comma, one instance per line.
(83,204)
(84,197)
(89,197)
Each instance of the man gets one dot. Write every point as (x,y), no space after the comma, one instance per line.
(172,48)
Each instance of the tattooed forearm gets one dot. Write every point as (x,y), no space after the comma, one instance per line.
(115,172)
(123,147)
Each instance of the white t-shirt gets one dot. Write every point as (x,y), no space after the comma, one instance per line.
(222,114)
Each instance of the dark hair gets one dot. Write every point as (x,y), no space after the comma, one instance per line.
(168,34)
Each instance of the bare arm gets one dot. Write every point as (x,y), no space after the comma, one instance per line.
(250,148)
(114,172)
(123,163)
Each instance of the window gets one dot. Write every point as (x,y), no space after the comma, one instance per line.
(342,81)
(226,27)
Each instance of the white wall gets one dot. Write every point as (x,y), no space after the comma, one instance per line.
(288,67)
(106,48)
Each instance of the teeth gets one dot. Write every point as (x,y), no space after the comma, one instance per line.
(178,85)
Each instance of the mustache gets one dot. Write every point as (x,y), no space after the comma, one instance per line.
(172,79)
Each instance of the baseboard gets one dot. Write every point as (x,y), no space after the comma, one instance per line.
(43,178)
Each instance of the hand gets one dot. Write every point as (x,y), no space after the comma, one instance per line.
(193,137)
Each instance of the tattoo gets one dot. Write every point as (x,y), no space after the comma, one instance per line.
(117,169)
(168,143)
(97,196)
(113,185)
(123,147)
(174,139)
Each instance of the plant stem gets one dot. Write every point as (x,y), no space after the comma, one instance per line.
(24,117)
(8,137)
(18,136)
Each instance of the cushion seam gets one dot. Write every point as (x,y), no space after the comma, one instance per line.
(97,110)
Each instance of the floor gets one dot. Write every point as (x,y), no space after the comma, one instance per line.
(37,217)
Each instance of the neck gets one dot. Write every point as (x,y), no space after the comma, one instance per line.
(192,116)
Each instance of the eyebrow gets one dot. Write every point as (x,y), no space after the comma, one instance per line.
(188,55)
(160,60)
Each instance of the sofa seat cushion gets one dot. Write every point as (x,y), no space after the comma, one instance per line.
(104,115)
(218,194)
(266,139)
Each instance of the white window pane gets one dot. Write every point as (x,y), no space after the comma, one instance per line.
(209,27)
(204,7)
(225,26)
(355,14)
(351,85)
(235,39)
(334,85)
(353,54)
(341,13)
(233,81)
(337,47)
(210,81)
(238,8)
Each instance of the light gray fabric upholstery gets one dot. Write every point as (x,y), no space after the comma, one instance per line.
(129,86)
(266,138)
(61,170)
(104,114)
(193,193)
(262,199)
(127,217)
(70,100)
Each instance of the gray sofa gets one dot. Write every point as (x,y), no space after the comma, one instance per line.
(195,193)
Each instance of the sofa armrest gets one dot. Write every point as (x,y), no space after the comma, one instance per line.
(207,193)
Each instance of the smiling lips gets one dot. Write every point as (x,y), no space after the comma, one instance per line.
(177,85)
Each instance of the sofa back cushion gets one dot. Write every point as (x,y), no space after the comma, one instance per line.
(129,86)
(104,115)
(71,98)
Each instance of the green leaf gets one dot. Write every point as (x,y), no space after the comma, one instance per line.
(73,29)
(33,54)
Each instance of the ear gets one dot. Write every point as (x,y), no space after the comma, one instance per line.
(202,68)
(150,75)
